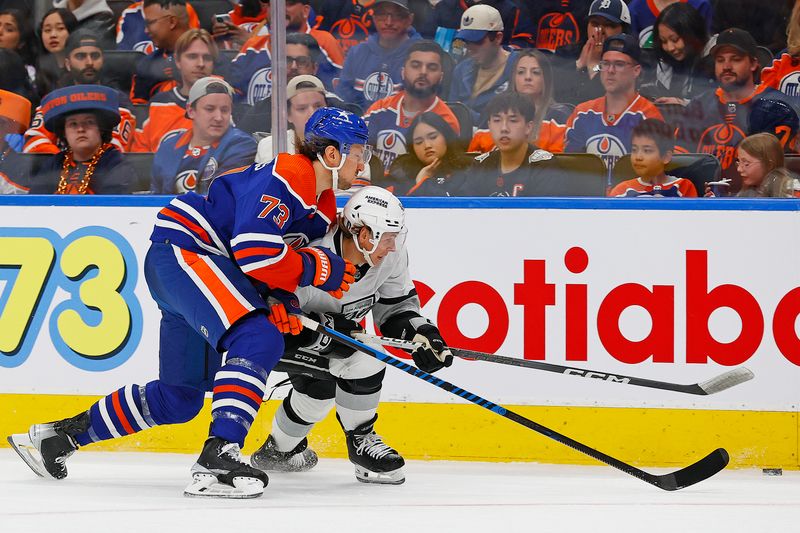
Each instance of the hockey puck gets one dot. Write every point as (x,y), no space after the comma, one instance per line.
(772,471)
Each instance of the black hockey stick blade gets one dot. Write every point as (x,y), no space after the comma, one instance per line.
(694,473)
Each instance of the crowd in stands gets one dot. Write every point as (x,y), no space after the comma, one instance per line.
(672,98)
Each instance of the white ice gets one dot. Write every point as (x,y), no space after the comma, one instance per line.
(143,492)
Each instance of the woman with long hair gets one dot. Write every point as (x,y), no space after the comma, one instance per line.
(54,28)
(435,157)
(16,34)
(679,39)
(533,77)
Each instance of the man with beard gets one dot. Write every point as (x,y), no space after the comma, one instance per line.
(84,64)
(717,121)
(389,118)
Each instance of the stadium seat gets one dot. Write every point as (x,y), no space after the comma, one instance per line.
(206,9)
(34,161)
(118,6)
(699,168)
(792,162)
(587,170)
(142,163)
(119,67)
(464,116)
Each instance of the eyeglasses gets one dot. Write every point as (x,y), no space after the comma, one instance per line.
(746,164)
(614,65)
(148,23)
(302,61)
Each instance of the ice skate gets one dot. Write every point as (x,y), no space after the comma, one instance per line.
(220,473)
(45,447)
(300,459)
(374,460)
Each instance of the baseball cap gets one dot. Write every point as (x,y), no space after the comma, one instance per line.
(16,109)
(206,86)
(401,3)
(81,38)
(292,89)
(739,39)
(614,10)
(476,21)
(623,43)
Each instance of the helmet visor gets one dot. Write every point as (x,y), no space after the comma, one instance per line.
(361,152)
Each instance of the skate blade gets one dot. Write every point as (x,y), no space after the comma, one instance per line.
(207,486)
(395,477)
(22,444)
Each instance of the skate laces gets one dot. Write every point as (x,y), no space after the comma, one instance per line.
(373,445)
(232,451)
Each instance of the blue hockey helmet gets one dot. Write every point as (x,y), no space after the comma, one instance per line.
(338,125)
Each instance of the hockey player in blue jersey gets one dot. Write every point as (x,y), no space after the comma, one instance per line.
(210,260)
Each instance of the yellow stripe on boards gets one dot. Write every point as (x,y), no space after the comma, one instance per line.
(644,437)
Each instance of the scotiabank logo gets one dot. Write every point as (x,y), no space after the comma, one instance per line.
(535,295)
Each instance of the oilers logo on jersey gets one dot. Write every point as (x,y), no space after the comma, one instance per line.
(186,181)
(146,47)
(608,147)
(389,144)
(790,85)
(378,85)
(557,30)
(260,86)
(721,141)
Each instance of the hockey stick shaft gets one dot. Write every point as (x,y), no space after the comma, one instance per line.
(716,384)
(702,469)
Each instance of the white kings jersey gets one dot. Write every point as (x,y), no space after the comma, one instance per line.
(385,289)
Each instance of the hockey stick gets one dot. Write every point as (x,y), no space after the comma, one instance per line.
(694,473)
(724,381)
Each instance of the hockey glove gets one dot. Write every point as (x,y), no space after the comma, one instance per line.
(324,269)
(283,311)
(433,354)
(323,344)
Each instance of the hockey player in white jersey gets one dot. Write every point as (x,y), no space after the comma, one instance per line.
(370,234)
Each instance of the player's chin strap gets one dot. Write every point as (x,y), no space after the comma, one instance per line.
(334,170)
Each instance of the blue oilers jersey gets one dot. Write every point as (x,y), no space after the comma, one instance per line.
(257,216)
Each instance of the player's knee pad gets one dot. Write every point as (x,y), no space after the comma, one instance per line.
(172,404)
(318,389)
(303,409)
(255,339)
(357,366)
(362,386)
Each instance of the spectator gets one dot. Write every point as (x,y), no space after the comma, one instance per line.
(680,73)
(84,65)
(245,17)
(350,23)
(652,144)
(165,21)
(209,148)
(16,34)
(55,27)
(603,126)
(389,118)
(431,167)
(560,22)
(15,113)
(645,12)
(760,163)
(251,70)
(577,72)
(15,76)
(372,69)
(784,72)
(518,27)
(94,16)
(487,69)
(516,168)
(83,118)
(716,121)
(533,77)
(195,54)
(131,32)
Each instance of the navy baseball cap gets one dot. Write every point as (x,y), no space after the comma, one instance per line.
(477,21)
(614,10)
(624,43)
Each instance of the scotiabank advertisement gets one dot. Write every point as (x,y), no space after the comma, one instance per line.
(606,287)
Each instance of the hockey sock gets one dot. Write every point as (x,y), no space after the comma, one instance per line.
(238,390)
(295,417)
(357,399)
(134,408)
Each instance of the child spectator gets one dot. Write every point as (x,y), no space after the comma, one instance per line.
(83,118)
(16,34)
(652,144)
(15,113)
(436,156)
(760,163)
(191,161)
(55,27)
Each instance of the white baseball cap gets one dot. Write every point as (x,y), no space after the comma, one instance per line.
(311,84)
(478,20)
(206,86)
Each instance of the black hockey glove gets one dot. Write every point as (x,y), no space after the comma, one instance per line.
(433,354)
(310,340)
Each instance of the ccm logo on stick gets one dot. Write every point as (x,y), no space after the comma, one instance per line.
(595,375)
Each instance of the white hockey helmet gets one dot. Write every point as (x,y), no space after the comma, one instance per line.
(377,209)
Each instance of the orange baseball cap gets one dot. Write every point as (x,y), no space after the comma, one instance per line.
(16,108)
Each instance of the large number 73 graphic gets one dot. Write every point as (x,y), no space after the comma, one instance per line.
(98,325)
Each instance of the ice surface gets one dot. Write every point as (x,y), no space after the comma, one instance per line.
(126,492)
